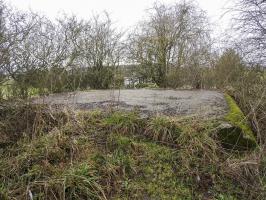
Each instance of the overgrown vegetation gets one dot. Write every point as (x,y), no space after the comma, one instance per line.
(118,155)
(51,154)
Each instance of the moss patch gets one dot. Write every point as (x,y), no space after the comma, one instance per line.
(149,170)
(240,135)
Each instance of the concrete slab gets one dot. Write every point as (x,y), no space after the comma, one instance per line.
(201,103)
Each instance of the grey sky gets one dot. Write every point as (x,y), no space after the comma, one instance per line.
(125,13)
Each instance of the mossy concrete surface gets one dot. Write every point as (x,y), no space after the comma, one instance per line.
(236,132)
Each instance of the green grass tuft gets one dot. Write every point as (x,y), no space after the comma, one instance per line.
(163,129)
(123,122)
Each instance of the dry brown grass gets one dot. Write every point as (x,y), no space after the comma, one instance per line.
(102,155)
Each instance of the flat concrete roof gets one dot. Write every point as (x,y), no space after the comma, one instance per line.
(201,103)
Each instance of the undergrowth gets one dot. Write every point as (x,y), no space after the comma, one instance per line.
(118,155)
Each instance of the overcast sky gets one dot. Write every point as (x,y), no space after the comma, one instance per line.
(125,13)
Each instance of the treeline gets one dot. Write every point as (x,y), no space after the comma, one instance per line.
(172,48)
(57,56)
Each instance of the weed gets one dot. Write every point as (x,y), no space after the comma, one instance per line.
(117,155)
(127,122)
(163,129)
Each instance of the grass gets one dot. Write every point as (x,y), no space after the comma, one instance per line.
(118,155)
(156,176)
(163,129)
(123,122)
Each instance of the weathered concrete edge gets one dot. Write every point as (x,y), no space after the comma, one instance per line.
(236,132)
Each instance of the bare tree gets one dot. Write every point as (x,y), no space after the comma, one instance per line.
(4,44)
(38,53)
(171,35)
(250,23)
(101,49)
(101,42)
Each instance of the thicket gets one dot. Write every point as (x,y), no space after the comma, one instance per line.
(40,56)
